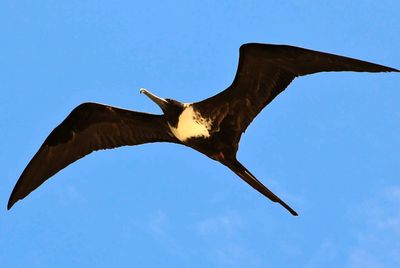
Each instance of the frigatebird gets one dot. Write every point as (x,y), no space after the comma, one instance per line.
(212,126)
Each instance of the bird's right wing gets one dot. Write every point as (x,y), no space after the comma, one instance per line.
(89,127)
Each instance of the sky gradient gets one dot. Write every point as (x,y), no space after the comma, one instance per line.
(329,145)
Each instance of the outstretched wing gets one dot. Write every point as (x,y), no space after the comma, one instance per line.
(89,127)
(263,72)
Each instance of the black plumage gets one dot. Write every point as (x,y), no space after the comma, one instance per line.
(263,72)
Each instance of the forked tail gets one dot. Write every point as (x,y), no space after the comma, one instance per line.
(243,173)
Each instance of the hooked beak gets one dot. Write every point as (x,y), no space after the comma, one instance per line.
(159,101)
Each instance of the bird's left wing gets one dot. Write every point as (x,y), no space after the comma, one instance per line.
(263,72)
(89,127)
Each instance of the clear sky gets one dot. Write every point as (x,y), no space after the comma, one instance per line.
(329,145)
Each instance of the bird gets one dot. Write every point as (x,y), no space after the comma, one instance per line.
(212,126)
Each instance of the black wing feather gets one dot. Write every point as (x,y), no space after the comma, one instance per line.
(89,127)
(266,70)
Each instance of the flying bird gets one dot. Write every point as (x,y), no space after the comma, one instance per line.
(212,126)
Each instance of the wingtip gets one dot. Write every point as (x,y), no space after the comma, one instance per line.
(10,204)
(12,200)
(390,69)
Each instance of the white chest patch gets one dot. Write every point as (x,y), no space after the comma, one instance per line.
(191,125)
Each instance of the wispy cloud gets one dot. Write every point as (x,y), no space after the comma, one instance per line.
(158,225)
(216,237)
(235,255)
(378,244)
(327,252)
(69,193)
(224,224)
(221,236)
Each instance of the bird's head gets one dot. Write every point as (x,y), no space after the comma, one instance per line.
(171,108)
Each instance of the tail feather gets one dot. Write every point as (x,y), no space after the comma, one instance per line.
(245,175)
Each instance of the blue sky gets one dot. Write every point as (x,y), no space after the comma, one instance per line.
(329,145)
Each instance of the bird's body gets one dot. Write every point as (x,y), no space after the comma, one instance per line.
(191,124)
(213,126)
